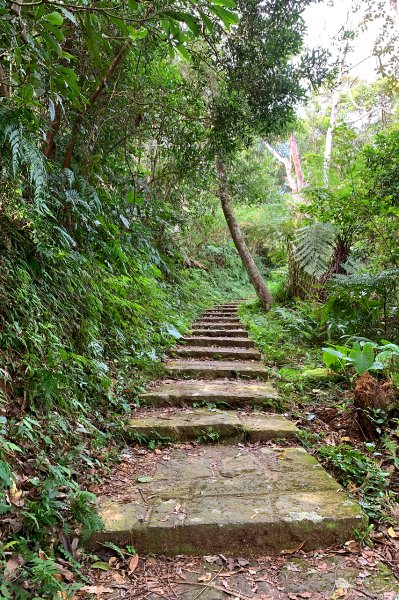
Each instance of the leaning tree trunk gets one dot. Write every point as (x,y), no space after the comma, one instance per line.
(255,277)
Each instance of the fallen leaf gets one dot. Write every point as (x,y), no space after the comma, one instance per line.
(340,593)
(211,558)
(12,565)
(134,561)
(205,578)
(293,550)
(392,533)
(15,495)
(96,589)
(304,594)
(66,573)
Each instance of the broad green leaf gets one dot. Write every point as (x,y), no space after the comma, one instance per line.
(207,21)
(68,15)
(226,3)
(51,42)
(363,358)
(55,31)
(183,51)
(55,18)
(227,16)
(131,197)
(100,565)
(138,34)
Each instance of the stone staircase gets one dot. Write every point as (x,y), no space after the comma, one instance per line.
(244,493)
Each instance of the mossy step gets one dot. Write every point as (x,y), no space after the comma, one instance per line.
(215,332)
(215,369)
(220,325)
(231,392)
(238,501)
(201,340)
(214,352)
(210,426)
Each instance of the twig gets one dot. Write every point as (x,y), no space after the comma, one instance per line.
(367,594)
(219,588)
(204,588)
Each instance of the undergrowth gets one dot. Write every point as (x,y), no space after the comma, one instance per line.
(290,337)
(83,329)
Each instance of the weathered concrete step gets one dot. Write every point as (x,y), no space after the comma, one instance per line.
(215,352)
(239,333)
(224,319)
(206,324)
(239,501)
(201,340)
(226,312)
(210,426)
(232,392)
(215,369)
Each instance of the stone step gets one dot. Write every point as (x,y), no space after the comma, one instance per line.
(214,333)
(220,318)
(221,311)
(215,352)
(205,425)
(231,392)
(238,501)
(223,315)
(216,325)
(215,369)
(201,340)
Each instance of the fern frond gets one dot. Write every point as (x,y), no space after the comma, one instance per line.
(313,247)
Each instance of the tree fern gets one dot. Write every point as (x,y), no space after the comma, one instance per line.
(313,246)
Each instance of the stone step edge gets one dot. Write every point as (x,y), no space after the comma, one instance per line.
(211,426)
(228,342)
(214,352)
(229,394)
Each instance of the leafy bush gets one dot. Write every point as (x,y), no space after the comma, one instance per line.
(362,357)
(361,473)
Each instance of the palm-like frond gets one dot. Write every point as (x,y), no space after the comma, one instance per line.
(313,247)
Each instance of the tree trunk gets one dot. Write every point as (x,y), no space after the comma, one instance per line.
(255,277)
(296,159)
(334,114)
(92,99)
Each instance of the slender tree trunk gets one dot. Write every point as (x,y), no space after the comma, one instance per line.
(255,277)
(50,146)
(334,114)
(296,159)
(92,99)
(288,169)
(4,88)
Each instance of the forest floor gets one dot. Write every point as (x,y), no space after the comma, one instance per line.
(361,568)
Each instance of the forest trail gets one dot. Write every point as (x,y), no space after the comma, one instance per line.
(253,494)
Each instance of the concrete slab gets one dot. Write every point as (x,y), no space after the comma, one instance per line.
(239,501)
(201,340)
(215,352)
(238,332)
(206,426)
(215,369)
(220,325)
(232,392)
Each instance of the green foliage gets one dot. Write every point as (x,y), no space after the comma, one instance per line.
(363,356)
(355,469)
(362,303)
(313,246)
(208,436)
